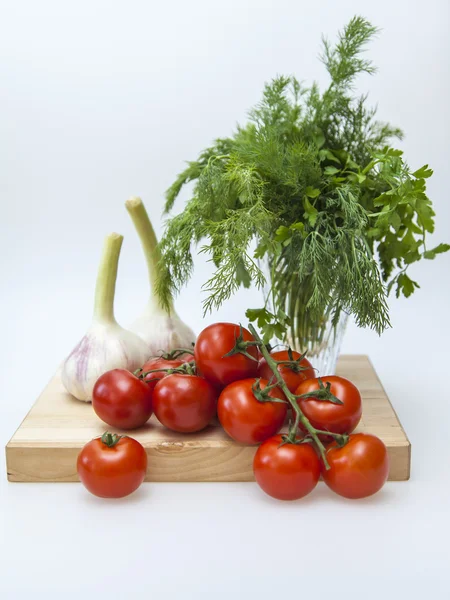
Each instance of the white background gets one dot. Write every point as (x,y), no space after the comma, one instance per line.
(103,100)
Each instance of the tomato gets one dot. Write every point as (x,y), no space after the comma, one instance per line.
(122,400)
(246,419)
(158,362)
(325,415)
(292,376)
(184,403)
(358,469)
(210,348)
(112,466)
(286,472)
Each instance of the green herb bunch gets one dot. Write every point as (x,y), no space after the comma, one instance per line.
(311,181)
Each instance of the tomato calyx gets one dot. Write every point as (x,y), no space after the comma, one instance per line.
(323,393)
(111,439)
(294,364)
(176,353)
(287,439)
(240,346)
(263,395)
(341,440)
(187,368)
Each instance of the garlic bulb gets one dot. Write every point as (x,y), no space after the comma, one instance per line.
(106,344)
(162,330)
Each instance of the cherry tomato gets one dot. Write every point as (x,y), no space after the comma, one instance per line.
(158,362)
(292,376)
(288,471)
(210,348)
(122,400)
(112,466)
(358,469)
(325,415)
(246,419)
(184,403)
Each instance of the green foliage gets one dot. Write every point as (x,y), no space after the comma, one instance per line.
(273,325)
(312,179)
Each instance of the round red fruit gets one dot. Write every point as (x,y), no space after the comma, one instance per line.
(184,403)
(112,466)
(358,469)
(246,419)
(211,347)
(154,368)
(292,374)
(326,415)
(286,471)
(122,400)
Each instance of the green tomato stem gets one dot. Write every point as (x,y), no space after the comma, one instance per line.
(106,279)
(294,429)
(299,416)
(187,368)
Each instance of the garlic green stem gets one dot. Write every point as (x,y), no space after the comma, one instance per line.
(144,228)
(106,279)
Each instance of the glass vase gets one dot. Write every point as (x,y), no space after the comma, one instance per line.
(321,337)
(323,347)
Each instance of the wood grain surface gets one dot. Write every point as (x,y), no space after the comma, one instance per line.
(46,444)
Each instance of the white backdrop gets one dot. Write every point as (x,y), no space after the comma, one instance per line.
(103,100)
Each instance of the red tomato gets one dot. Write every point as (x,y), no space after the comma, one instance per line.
(246,419)
(112,466)
(210,348)
(122,400)
(325,415)
(184,403)
(286,472)
(358,469)
(158,362)
(292,376)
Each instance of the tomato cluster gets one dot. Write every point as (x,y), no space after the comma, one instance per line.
(252,394)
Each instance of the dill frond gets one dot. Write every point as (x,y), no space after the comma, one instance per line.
(312,179)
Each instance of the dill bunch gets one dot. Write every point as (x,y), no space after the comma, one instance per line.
(337,214)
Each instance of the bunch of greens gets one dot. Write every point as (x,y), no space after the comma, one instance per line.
(336,214)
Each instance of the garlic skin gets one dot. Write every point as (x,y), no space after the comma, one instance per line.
(106,344)
(162,330)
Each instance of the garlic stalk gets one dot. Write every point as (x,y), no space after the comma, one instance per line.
(162,330)
(106,344)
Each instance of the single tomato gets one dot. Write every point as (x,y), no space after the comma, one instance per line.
(112,466)
(213,343)
(293,374)
(246,419)
(288,471)
(154,368)
(358,469)
(184,403)
(325,415)
(122,400)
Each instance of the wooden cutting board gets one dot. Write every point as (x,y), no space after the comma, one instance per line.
(46,445)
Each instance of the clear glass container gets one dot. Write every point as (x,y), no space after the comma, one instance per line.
(320,338)
(323,350)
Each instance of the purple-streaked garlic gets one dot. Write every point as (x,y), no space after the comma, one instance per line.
(162,330)
(106,344)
